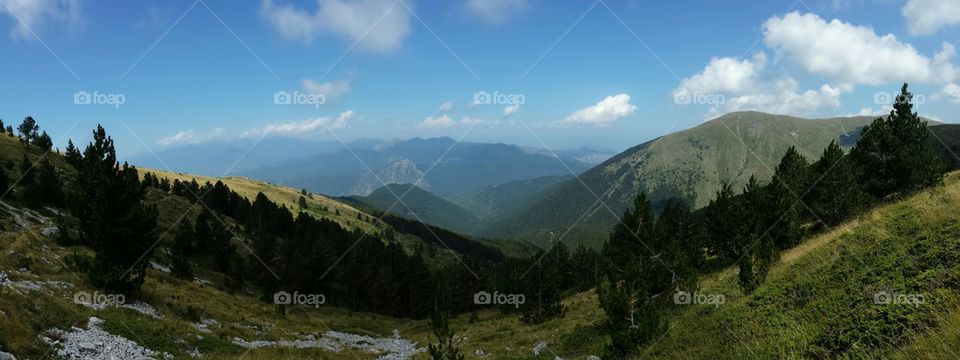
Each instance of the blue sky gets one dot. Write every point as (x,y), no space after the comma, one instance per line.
(605,73)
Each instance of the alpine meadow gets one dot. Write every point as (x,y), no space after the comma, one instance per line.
(479,179)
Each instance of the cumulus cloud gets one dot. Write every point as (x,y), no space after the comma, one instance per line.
(852,54)
(376,25)
(950,92)
(604,113)
(330,90)
(929,16)
(186,136)
(32,16)
(728,84)
(442,121)
(510,110)
(447,106)
(496,11)
(302,127)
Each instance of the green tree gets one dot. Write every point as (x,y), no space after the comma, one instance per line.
(183,245)
(786,190)
(758,249)
(302,202)
(837,196)
(724,222)
(893,153)
(44,142)
(636,282)
(4,182)
(42,186)
(114,221)
(28,130)
(72,154)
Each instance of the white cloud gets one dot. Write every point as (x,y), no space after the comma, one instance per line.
(469,121)
(442,121)
(604,113)
(330,90)
(31,16)
(728,84)
(376,25)
(950,92)
(852,54)
(510,110)
(447,106)
(186,136)
(496,11)
(302,127)
(929,16)
(723,75)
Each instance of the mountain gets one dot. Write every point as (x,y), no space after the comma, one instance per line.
(449,167)
(220,158)
(690,165)
(491,202)
(421,205)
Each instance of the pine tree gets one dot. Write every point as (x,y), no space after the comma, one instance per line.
(790,181)
(302,203)
(444,349)
(183,245)
(893,153)
(72,154)
(758,250)
(28,130)
(724,222)
(2,128)
(636,282)
(42,186)
(4,183)
(114,220)
(837,196)
(44,142)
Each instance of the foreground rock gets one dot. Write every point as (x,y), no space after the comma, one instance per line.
(393,348)
(94,343)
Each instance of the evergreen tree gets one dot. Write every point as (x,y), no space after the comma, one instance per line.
(44,142)
(302,203)
(724,222)
(2,129)
(42,186)
(10,130)
(837,196)
(444,349)
(28,130)
(114,220)
(893,153)
(635,284)
(790,181)
(4,183)
(72,154)
(677,226)
(758,250)
(183,245)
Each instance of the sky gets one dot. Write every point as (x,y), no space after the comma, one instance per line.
(556,74)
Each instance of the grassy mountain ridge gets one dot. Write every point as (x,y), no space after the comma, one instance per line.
(493,201)
(691,165)
(421,205)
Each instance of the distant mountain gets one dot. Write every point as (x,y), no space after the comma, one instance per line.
(690,165)
(230,157)
(420,205)
(450,167)
(491,202)
(586,154)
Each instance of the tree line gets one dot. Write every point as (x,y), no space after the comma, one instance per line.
(648,259)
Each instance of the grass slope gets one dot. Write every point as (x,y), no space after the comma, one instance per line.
(421,205)
(690,164)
